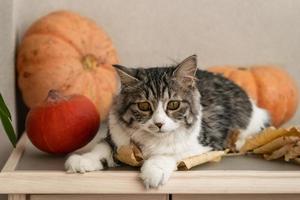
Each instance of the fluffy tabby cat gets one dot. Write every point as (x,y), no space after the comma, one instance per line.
(172,113)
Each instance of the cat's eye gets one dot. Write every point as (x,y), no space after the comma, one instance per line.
(173,105)
(144,106)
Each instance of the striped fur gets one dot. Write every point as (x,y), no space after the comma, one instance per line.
(210,107)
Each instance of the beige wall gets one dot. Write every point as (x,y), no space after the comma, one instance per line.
(7,72)
(155,32)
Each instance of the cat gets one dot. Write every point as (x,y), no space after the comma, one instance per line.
(172,113)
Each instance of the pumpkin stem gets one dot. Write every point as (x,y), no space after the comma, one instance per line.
(54,95)
(89,62)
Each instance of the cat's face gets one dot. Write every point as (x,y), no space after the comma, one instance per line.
(159,100)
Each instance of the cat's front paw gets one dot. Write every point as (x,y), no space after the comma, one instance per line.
(154,176)
(81,164)
(155,173)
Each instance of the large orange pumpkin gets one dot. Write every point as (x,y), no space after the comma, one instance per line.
(70,53)
(270,86)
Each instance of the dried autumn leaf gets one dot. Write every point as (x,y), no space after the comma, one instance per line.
(279,152)
(130,154)
(267,136)
(276,144)
(293,153)
(212,156)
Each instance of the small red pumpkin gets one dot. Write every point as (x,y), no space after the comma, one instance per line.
(62,124)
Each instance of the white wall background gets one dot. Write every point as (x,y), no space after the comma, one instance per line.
(155,32)
(7,72)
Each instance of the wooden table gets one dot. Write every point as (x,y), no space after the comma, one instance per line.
(31,174)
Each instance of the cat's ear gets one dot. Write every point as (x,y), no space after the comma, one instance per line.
(126,75)
(186,70)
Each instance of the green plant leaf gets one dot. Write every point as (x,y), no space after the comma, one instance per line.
(8,128)
(5,118)
(4,107)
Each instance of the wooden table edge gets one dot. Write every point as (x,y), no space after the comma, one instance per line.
(128,182)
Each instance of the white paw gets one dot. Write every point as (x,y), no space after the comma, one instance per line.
(154,175)
(80,163)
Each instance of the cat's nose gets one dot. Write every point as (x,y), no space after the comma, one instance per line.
(159,125)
